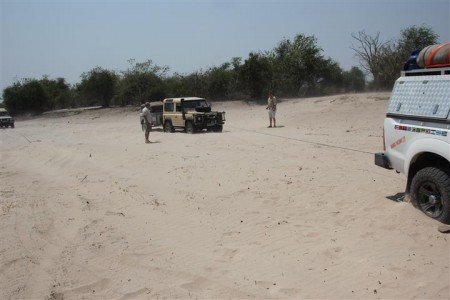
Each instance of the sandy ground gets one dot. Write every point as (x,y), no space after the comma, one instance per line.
(89,211)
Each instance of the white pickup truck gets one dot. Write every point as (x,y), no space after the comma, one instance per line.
(416,138)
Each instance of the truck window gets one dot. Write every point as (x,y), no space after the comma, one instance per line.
(168,107)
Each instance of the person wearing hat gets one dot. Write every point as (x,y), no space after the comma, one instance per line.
(147,114)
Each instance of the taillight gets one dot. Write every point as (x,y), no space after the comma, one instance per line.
(384,142)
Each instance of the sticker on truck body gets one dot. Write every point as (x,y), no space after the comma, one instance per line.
(421,130)
(398,142)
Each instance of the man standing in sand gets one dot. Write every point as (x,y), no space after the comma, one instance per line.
(272,108)
(146,113)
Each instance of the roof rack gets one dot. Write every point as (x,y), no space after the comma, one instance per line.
(426,72)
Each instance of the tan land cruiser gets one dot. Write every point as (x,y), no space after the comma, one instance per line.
(191,114)
(5,119)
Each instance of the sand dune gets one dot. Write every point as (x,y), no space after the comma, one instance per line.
(89,211)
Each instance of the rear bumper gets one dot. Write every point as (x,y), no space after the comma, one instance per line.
(382,160)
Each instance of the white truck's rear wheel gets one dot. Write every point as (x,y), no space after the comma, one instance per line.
(430,191)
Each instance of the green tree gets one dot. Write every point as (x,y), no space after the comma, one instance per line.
(415,38)
(194,84)
(298,65)
(219,81)
(12,99)
(26,96)
(330,77)
(396,53)
(98,86)
(384,60)
(223,82)
(256,74)
(58,91)
(142,82)
(353,80)
(236,83)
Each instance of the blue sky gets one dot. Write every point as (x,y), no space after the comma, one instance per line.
(64,38)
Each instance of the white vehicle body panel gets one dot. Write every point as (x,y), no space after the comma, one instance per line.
(418,120)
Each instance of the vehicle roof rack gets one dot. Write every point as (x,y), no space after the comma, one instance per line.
(426,72)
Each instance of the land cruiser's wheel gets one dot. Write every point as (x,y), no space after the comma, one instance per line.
(430,191)
(12,125)
(218,128)
(168,126)
(189,127)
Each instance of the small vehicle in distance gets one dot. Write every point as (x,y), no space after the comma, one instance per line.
(5,119)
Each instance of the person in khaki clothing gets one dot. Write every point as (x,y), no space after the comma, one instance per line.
(147,125)
(272,109)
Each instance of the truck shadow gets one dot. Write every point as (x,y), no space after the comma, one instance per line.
(184,132)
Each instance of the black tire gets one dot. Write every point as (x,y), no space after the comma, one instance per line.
(189,127)
(12,125)
(430,191)
(168,126)
(218,128)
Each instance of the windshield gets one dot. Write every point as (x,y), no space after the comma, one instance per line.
(4,114)
(195,104)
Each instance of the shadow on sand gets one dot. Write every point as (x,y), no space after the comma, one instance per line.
(399,197)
